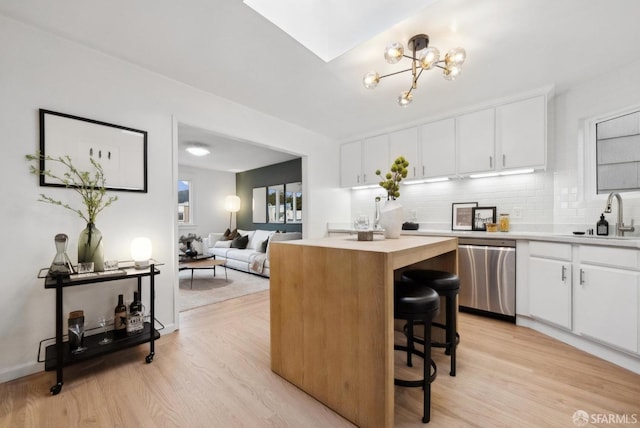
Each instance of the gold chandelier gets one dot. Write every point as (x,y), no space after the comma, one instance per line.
(424,58)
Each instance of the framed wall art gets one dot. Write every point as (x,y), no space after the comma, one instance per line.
(462,216)
(121,151)
(482,216)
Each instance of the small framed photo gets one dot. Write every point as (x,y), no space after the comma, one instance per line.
(462,215)
(482,216)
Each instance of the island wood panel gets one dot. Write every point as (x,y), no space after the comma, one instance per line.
(332,318)
(332,328)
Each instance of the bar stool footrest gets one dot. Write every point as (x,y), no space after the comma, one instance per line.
(415,383)
(433,344)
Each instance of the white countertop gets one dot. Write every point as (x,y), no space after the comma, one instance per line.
(610,241)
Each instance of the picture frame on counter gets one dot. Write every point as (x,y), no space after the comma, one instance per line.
(462,215)
(481,216)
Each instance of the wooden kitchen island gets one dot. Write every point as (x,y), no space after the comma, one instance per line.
(332,317)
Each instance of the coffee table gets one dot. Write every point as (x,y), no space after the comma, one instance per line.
(203,262)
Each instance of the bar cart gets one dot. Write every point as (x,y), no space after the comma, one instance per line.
(58,355)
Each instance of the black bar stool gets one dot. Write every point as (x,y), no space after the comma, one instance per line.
(447,285)
(417,303)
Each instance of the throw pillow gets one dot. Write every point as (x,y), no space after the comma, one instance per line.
(233,235)
(263,246)
(240,242)
(222,244)
(225,236)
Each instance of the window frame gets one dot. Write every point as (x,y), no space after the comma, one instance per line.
(589,137)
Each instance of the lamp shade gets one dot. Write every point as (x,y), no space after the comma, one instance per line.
(232,203)
(141,252)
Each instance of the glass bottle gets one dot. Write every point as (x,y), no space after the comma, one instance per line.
(120,318)
(61,264)
(504,222)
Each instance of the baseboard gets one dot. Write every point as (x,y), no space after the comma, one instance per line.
(620,358)
(20,371)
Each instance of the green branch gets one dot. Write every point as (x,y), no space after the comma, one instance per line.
(90,188)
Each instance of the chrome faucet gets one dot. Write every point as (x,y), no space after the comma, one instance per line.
(620,227)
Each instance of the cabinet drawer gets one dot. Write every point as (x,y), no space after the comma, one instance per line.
(550,250)
(608,256)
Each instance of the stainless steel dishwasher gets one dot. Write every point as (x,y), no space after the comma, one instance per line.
(487,271)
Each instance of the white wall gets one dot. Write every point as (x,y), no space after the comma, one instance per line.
(553,201)
(208,191)
(41,70)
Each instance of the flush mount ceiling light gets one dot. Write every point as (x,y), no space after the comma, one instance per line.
(423,58)
(198,150)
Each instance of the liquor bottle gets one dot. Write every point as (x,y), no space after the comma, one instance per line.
(135,321)
(120,318)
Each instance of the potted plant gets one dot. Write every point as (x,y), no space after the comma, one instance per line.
(91,188)
(391,214)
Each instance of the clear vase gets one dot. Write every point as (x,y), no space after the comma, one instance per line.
(91,248)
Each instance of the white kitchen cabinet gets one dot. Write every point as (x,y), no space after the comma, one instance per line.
(351,164)
(405,143)
(606,298)
(521,134)
(438,149)
(475,138)
(375,155)
(550,277)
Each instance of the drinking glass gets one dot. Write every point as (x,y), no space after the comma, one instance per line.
(77,330)
(361,222)
(104,323)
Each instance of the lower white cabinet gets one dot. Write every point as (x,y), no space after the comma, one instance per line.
(550,290)
(593,291)
(606,305)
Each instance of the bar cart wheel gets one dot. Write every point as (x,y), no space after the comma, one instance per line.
(55,389)
(149,358)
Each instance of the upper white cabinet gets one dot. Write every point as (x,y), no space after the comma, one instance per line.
(375,155)
(405,143)
(351,164)
(475,136)
(521,133)
(438,149)
(507,136)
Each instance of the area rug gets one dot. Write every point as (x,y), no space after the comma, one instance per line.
(208,289)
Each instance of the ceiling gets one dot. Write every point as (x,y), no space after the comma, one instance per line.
(226,48)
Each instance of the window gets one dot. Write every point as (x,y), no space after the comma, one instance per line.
(617,141)
(184,202)
(293,199)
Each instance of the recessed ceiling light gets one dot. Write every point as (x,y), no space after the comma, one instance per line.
(198,150)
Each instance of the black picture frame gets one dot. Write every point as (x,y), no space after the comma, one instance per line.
(462,215)
(120,150)
(481,216)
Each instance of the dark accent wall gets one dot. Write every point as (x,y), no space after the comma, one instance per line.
(280,173)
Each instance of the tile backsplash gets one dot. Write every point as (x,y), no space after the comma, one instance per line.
(528,198)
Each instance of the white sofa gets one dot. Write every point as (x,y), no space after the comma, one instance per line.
(250,259)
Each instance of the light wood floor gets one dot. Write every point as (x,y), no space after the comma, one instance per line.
(215,372)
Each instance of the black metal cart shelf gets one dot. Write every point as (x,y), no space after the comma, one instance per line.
(60,350)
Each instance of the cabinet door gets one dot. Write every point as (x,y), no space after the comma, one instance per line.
(475,135)
(405,143)
(521,134)
(351,164)
(438,148)
(606,306)
(375,155)
(550,290)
